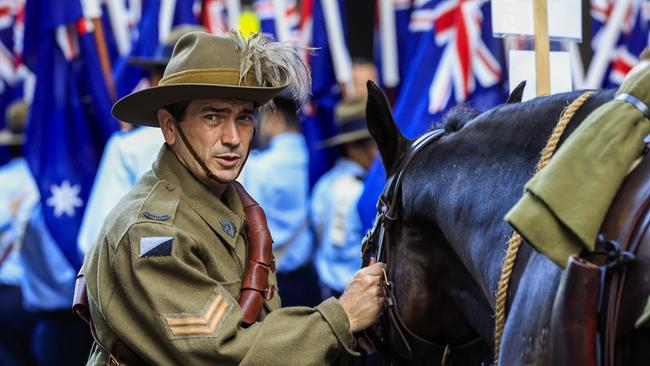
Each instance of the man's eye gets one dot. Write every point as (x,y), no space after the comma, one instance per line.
(212,117)
(246,118)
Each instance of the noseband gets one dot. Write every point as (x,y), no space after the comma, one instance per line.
(377,242)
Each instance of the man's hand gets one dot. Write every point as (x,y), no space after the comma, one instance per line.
(363,298)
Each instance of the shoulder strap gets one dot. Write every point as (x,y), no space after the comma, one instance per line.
(255,288)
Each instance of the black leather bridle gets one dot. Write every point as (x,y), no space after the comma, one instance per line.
(377,243)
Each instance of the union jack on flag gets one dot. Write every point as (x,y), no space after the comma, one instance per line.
(633,38)
(466,59)
(215,16)
(269,18)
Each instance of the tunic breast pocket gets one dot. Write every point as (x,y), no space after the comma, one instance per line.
(232,287)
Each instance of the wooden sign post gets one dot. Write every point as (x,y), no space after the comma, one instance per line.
(559,21)
(542,48)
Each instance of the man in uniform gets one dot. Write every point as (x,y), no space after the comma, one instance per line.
(164,276)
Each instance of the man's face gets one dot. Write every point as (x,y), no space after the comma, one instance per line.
(219,130)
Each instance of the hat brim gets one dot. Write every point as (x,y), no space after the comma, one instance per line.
(8,138)
(148,63)
(141,107)
(344,138)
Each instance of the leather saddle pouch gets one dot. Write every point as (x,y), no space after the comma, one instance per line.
(574,323)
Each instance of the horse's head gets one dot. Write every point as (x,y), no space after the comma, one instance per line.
(445,237)
(425,272)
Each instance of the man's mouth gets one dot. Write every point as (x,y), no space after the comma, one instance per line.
(228,160)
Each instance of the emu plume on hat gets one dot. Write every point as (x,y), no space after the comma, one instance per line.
(350,117)
(164,50)
(205,66)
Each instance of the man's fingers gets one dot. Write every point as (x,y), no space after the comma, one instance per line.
(374,269)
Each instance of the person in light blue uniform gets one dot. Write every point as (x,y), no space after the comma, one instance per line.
(277,178)
(334,199)
(128,154)
(36,324)
(16,324)
(59,336)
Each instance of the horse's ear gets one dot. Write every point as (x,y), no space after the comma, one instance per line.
(517,93)
(390,141)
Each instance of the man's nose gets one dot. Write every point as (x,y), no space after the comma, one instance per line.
(230,134)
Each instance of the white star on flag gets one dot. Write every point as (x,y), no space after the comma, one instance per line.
(65,198)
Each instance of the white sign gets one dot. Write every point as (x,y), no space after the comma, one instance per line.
(522,67)
(515,17)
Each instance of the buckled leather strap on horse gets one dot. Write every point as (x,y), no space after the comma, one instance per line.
(387,206)
(255,287)
(626,224)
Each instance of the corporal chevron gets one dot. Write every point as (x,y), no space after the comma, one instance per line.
(200,324)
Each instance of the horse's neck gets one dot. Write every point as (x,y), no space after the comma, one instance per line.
(482,241)
(482,169)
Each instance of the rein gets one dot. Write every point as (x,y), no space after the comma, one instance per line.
(386,216)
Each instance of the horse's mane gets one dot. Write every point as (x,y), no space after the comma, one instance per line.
(456,118)
(462,115)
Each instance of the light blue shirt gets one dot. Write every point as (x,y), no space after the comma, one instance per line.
(127,156)
(337,223)
(277,178)
(17,185)
(48,283)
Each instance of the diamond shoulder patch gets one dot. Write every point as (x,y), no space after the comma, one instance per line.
(202,324)
(156,246)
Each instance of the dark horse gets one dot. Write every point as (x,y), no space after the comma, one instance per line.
(449,239)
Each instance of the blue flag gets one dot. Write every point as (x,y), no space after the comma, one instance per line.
(67,132)
(634,37)
(126,76)
(11,85)
(319,124)
(454,63)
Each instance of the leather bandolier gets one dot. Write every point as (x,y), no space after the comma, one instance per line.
(590,312)
(254,291)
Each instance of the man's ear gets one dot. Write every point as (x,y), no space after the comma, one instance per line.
(167,125)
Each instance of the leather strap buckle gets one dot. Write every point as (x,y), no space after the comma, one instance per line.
(269,292)
(112,361)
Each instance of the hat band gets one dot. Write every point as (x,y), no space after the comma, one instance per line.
(209,76)
(357,124)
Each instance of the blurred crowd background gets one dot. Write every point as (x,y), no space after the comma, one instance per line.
(65,161)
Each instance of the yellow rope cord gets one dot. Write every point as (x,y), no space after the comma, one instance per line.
(515,240)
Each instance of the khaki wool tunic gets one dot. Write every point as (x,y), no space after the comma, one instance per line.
(165,274)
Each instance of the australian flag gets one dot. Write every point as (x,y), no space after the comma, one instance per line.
(456,61)
(269,19)
(319,124)
(634,36)
(70,119)
(145,40)
(12,72)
